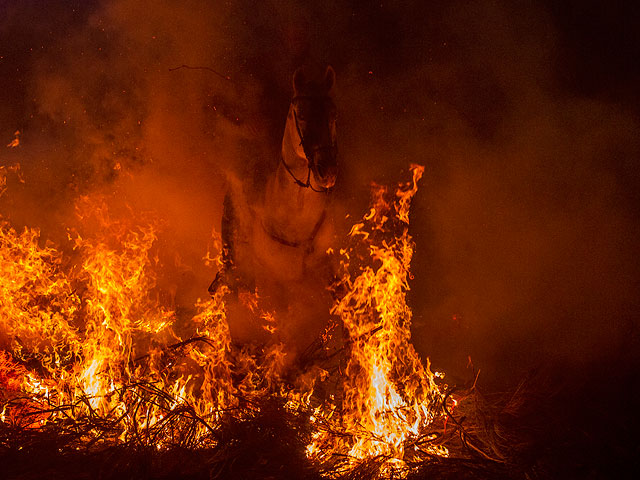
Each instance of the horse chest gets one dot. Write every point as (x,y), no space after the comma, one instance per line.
(288,258)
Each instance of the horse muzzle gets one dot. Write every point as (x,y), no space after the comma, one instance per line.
(325,166)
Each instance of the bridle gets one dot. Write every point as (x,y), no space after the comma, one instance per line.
(308,153)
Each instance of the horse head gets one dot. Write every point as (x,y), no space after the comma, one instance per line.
(311,126)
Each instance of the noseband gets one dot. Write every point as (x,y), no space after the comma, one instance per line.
(308,153)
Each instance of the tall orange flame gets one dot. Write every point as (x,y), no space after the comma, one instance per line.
(390,397)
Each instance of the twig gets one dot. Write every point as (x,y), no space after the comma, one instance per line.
(464,436)
(225,77)
(175,346)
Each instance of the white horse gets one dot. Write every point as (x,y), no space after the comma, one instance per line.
(277,246)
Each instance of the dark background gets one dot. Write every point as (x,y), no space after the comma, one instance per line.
(525,114)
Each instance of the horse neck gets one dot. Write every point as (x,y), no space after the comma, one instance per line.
(290,210)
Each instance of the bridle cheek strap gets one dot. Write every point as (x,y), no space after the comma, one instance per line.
(296,180)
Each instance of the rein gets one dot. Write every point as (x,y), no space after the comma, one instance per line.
(289,243)
(305,147)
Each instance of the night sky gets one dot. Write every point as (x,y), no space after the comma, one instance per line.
(525,114)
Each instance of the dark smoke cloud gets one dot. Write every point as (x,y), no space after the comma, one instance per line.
(525,224)
(531,227)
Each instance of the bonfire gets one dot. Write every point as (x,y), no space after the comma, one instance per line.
(93,361)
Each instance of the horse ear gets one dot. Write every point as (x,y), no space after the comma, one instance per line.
(329,79)
(299,81)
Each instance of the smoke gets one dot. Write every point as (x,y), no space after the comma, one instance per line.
(525,223)
(103,109)
(530,227)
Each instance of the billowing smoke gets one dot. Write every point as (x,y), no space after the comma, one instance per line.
(525,228)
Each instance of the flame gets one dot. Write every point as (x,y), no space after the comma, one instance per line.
(390,397)
(86,325)
(85,334)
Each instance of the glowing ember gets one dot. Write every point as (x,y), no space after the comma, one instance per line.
(16,141)
(84,335)
(13,168)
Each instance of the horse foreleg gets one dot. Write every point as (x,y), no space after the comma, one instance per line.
(227,230)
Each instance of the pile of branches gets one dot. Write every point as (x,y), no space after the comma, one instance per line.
(260,439)
(263,437)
